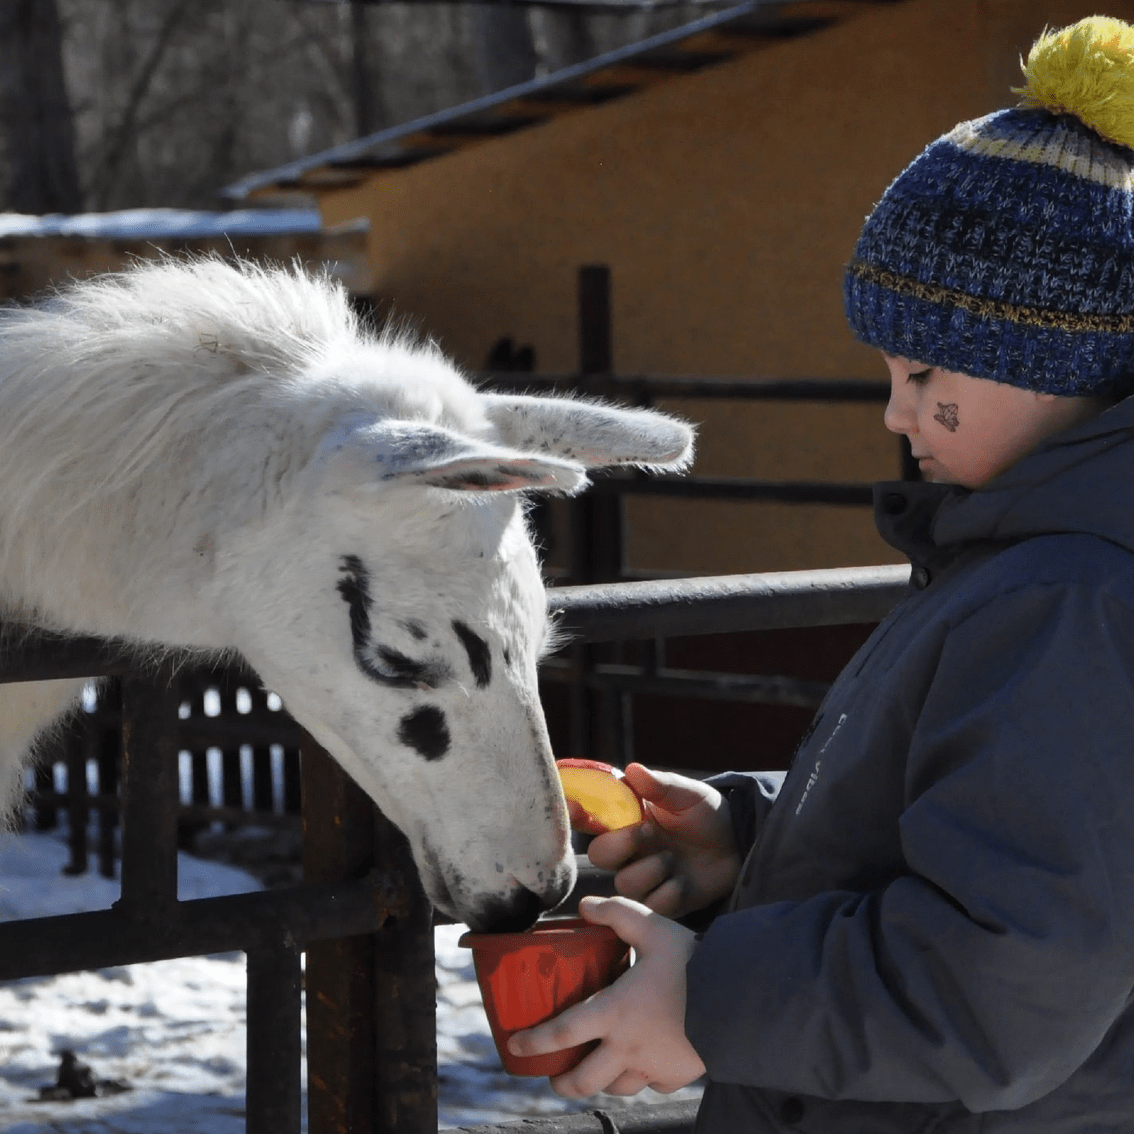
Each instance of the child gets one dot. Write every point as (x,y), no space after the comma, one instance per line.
(932,929)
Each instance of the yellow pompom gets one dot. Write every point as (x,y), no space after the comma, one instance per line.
(1086,70)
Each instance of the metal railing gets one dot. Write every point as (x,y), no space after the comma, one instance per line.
(360,915)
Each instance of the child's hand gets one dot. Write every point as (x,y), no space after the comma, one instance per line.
(683,856)
(640,1019)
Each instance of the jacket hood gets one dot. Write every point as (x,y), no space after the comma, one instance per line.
(1080,481)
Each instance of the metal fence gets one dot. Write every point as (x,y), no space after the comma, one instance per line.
(360,914)
(238,764)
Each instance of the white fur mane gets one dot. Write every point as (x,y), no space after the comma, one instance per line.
(143,364)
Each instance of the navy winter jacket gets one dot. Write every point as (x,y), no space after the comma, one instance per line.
(934,929)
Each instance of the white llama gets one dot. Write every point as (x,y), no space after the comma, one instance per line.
(196,455)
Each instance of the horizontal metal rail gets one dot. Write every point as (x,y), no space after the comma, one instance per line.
(601,612)
(658,1118)
(723,604)
(636,387)
(43,946)
(737,488)
(669,681)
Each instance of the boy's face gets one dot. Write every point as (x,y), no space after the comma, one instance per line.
(965,430)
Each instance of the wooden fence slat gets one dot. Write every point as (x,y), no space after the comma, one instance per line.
(149,795)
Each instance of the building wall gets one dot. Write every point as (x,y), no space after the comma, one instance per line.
(726,204)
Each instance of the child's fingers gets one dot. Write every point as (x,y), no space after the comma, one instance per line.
(631,920)
(628,1083)
(643,876)
(668,899)
(595,1073)
(613,848)
(571,1027)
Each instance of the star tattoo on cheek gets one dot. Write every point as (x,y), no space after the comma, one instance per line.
(947,415)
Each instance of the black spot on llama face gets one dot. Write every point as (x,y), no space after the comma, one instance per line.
(425,731)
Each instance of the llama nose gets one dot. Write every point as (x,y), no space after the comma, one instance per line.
(520,909)
(515,913)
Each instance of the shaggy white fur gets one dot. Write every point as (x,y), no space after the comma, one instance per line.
(207,456)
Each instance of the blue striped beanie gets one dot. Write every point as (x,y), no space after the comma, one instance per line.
(1005,250)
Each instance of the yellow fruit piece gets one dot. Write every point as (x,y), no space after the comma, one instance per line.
(606,800)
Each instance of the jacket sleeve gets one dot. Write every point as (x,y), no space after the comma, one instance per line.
(750,796)
(995,964)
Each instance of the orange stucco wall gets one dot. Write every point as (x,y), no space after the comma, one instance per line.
(726,204)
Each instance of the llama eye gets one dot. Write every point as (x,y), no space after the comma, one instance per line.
(394,668)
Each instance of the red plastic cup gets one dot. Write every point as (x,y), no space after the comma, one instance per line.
(527,978)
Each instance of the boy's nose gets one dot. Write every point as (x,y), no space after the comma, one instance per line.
(897,417)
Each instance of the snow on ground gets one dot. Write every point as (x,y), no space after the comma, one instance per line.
(174,1030)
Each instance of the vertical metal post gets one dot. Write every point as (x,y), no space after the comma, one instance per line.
(149,795)
(596,348)
(274,1093)
(104,733)
(78,793)
(232,778)
(261,755)
(338,834)
(292,782)
(371,1000)
(199,758)
(596,536)
(405,998)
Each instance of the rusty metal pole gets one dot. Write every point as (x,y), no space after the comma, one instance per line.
(596,535)
(371,1000)
(405,998)
(338,845)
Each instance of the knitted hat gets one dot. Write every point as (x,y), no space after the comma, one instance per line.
(1006,249)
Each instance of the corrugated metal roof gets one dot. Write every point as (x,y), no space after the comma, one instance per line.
(702,43)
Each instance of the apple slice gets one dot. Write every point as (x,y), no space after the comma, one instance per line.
(606,801)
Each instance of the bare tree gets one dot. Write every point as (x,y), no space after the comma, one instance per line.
(35,114)
(562,37)
(503,49)
(174,100)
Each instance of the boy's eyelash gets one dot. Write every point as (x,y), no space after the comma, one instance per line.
(919,376)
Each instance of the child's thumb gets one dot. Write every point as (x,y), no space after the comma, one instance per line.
(626,917)
(663,790)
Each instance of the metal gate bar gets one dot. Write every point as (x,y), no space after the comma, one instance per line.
(727,604)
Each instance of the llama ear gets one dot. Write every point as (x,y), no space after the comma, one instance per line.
(593,433)
(368,452)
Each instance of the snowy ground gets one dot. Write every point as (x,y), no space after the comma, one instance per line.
(174,1030)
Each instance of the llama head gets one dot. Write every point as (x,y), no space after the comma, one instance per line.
(258,475)
(400,613)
